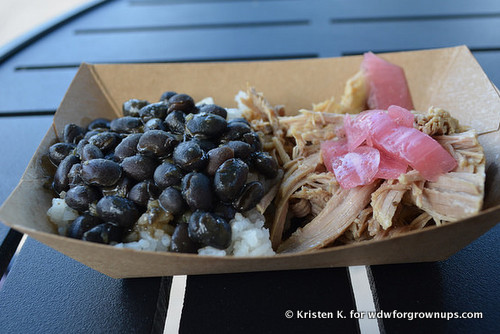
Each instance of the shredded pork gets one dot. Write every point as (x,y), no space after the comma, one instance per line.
(332,215)
(338,214)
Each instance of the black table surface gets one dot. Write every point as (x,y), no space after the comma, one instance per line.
(43,291)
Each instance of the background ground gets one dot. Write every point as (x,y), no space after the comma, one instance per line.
(18,17)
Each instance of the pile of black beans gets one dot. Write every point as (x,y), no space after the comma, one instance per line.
(189,158)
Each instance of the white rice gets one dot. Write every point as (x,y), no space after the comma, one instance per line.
(233,113)
(239,100)
(61,215)
(207,100)
(210,251)
(249,237)
(159,242)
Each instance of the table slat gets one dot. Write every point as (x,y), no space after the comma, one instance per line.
(180,11)
(20,137)
(297,30)
(466,282)
(257,302)
(47,292)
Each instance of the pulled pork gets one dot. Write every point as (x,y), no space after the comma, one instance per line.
(330,215)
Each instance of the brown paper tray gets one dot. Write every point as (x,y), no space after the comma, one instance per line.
(449,78)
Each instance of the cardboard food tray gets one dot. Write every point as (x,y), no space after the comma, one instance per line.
(449,78)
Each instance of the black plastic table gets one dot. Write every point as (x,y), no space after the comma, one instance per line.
(43,291)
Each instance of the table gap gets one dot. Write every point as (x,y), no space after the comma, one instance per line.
(360,52)
(27,113)
(442,17)
(184,60)
(178,2)
(9,249)
(193,26)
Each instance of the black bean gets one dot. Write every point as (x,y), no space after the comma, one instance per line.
(104,233)
(61,179)
(74,175)
(155,124)
(142,192)
(197,191)
(81,196)
(205,144)
(167,175)
(189,156)
(175,121)
(156,142)
(101,172)
(181,243)
(225,211)
(121,188)
(250,196)
(216,157)
(80,146)
(178,137)
(139,167)
(105,141)
(239,119)
(94,132)
(59,151)
(210,230)
(132,107)
(181,102)
(118,210)
(167,95)
(111,156)
(82,224)
(206,125)
(133,146)
(128,146)
(171,200)
(153,110)
(99,123)
(90,152)
(73,133)
(241,149)
(253,139)
(214,109)
(235,131)
(230,179)
(127,124)
(265,164)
